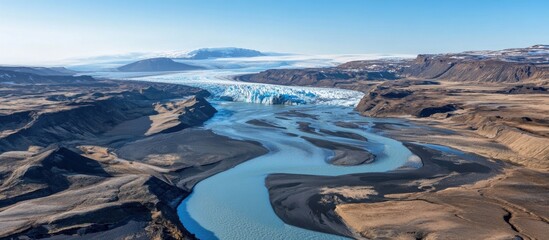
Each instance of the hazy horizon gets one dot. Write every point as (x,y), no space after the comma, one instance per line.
(48,31)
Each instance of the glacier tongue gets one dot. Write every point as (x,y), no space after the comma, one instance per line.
(222,87)
(263,95)
(287,95)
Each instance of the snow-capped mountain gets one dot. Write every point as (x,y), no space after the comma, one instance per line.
(208,53)
(537,54)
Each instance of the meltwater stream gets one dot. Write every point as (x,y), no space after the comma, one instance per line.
(234,204)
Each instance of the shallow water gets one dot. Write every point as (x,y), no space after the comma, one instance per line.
(234,204)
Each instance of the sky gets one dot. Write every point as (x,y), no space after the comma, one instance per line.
(46,31)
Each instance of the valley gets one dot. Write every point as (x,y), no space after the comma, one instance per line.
(315,153)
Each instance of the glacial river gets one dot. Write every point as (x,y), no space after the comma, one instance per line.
(234,204)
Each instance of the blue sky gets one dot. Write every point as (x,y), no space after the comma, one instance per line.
(34,31)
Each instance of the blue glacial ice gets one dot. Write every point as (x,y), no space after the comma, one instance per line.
(274,94)
(224,88)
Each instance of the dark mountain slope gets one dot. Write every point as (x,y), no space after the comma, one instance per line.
(156,65)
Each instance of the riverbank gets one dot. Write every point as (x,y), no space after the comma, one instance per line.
(492,105)
(234,204)
(104,159)
(452,194)
(144,151)
(482,118)
(498,98)
(294,196)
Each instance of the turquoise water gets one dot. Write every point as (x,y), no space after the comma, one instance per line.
(234,204)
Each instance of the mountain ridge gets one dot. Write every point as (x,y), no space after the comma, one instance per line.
(156,65)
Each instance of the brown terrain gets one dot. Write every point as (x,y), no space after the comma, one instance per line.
(95,159)
(102,159)
(493,104)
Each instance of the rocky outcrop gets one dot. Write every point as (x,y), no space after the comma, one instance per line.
(323,77)
(473,70)
(428,111)
(395,99)
(525,89)
(396,94)
(175,116)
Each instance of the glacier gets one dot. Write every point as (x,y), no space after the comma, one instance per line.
(222,87)
(275,94)
(218,80)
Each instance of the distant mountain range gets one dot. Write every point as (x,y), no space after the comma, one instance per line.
(28,75)
(207,53)
(106,62)
(537,54)
(156,65)
(166,63)
(44,71)
(502,66)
